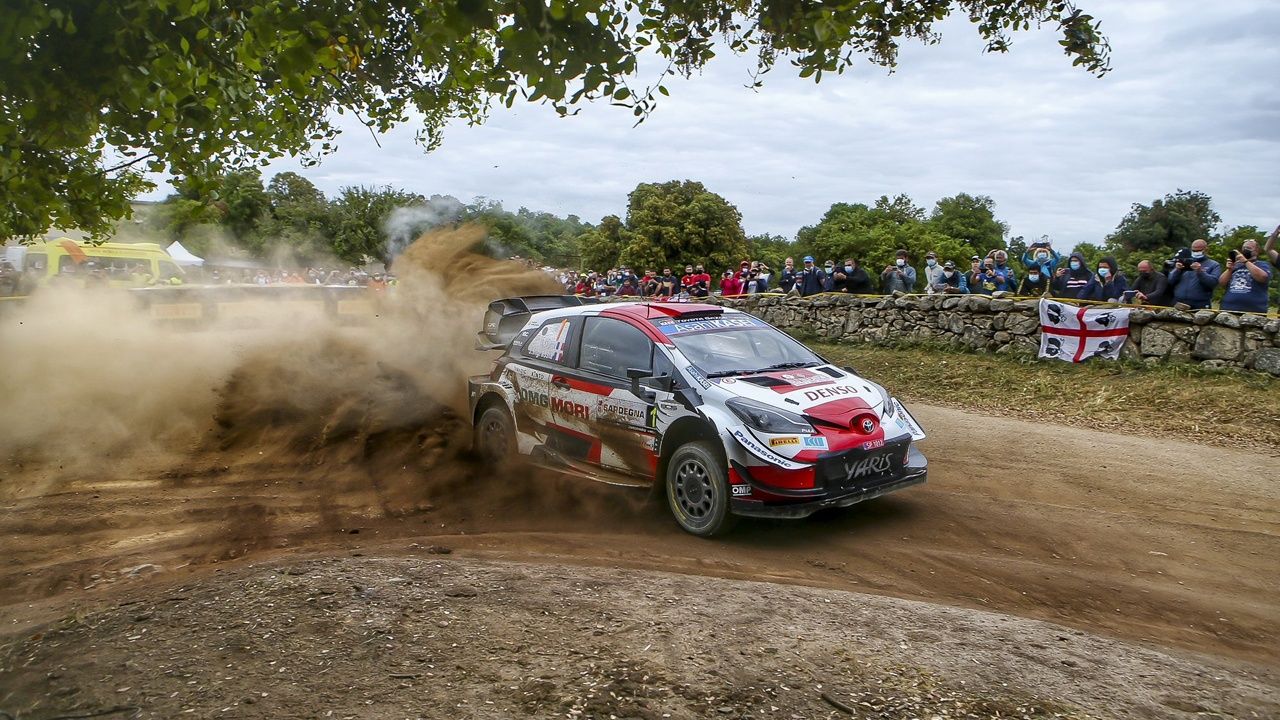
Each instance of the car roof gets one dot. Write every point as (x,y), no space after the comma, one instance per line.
(639,310)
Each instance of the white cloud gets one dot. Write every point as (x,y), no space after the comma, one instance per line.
(1192,103)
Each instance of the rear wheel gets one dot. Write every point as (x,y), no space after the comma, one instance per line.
(698,489)
(495,437)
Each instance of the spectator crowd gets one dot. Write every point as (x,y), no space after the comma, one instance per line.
(1189,281)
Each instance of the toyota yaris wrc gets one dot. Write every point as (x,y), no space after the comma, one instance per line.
(722,412)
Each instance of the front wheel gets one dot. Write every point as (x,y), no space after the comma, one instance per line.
(495,437)
(698,489)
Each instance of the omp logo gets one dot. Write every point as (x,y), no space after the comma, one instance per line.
(572,409)
(831,392)
(873,465)
(780,441)
(531,397)
(740,489)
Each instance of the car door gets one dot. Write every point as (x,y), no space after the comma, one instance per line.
(598,400)
(538,355)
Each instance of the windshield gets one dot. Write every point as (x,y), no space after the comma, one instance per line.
(734,345)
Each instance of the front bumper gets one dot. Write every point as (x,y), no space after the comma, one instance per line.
(913,472)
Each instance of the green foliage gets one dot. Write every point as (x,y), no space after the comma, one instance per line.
(681,223)
(873,235)
(356,219)
(772,250)
(90,93)
(297,219)
(528,233)
(600,247)
(970,219)
(1166,225)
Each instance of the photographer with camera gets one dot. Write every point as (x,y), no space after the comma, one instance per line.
(1194,277)
(1041,255)
(1246,279)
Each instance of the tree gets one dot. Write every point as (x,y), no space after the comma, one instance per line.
(970,219)
(297,218)
(92,93)
(772,250)
(1166,225)
(243,202)
(600,247)
(873,235)
(681,223)
(357,217)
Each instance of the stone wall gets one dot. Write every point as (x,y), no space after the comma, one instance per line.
(1215,339)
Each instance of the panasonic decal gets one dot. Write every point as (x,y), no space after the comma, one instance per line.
(764,453)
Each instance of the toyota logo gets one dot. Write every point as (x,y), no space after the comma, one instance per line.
(868,425)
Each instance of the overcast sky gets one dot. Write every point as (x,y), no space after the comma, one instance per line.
(1193,102)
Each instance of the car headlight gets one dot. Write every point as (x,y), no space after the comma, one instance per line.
(759,416)
(890,407)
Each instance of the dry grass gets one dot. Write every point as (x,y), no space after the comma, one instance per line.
(1218,407)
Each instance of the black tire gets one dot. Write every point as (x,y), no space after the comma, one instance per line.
(698,489)
(495,437)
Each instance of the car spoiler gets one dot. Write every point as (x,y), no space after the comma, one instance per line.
(505,317)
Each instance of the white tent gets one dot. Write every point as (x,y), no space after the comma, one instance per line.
(183,256)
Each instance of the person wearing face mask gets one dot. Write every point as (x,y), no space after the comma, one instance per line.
(950,281)
(1041,255)
(1246,279)
(1109,283)
(701,282)
(932,272)
(1072,281)
(1195,277)
(988,280)
(899,277)
(852,279)
(1151,287)
(1003,267)
(1035,284)
(812,280)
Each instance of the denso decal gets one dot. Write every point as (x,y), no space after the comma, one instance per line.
(763,452)
(783,441)
(816,441)
(830,392)
(868,466)
(572,409)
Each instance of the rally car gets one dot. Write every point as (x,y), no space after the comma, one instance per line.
(723,413)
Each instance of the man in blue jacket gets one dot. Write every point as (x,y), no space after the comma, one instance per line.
(1195,277)
(811,280)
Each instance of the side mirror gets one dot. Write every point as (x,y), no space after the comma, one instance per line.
(635,375)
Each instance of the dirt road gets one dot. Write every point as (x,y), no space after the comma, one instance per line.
(1151,540)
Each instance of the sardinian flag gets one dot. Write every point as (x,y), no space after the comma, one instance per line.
(1076,334)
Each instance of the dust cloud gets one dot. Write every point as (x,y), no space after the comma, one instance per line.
(90,384)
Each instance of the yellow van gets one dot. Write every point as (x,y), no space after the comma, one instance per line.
(65,261)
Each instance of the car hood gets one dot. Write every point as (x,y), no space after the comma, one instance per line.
(823,393)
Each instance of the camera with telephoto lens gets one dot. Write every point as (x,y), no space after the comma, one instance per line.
(1184,259)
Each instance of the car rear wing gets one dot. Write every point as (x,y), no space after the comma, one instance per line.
(505,317)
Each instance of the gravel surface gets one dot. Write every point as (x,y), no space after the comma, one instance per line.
(431,635)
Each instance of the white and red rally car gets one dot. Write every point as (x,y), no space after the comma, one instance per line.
(725,413)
